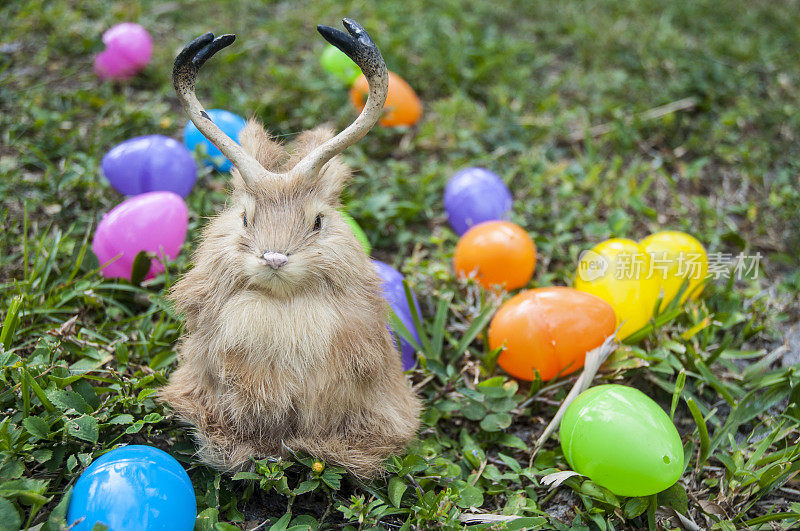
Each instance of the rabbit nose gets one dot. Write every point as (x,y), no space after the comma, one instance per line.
(275,260)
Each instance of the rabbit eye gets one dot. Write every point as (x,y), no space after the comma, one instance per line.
(318,222)
(244,219)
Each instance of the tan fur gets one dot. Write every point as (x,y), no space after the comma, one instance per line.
(301,359)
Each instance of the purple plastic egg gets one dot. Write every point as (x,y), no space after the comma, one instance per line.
(154,222)
(150,163)
(475,195)
(128,50)
(395,295)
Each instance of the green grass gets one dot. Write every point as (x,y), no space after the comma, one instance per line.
(505,85)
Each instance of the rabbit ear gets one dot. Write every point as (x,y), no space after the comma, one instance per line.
(331,179)
(236,181)
(257,142)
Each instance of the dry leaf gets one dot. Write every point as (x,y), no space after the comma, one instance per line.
(712,508)
(557,478)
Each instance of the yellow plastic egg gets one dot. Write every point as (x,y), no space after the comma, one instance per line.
(674,257)
(617,271)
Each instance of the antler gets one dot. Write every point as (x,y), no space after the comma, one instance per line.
(360,47)
(357,44)
(184,74)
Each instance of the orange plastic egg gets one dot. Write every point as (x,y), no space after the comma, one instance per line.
(402,105)
(499,253)
(549,330)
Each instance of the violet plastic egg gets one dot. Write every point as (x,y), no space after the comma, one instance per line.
(150,163)
(154,222)
(128,50)
(475,195)
(395,295)
(230,124)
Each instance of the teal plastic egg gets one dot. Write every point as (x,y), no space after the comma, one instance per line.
(622,440)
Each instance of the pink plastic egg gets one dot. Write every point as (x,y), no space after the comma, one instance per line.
(154,222)
(128,49)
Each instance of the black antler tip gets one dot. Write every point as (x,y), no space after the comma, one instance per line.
(210,49)
(357,44)
(350,24)
(191,49)
(227,39)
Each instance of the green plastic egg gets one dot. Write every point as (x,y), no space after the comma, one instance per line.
(336,63)
(622,440)
(357,232)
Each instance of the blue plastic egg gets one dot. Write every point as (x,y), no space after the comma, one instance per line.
(231,124)
(151,163)
(133,488)
(395,295)
(475,195)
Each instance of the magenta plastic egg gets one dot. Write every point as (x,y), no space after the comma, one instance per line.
(150,163)
(128,50)
(475,195)
(154,222)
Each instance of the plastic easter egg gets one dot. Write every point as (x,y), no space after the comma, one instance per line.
(402,105)
(154,222)
(675,257)
(133,488)
(230,124)
(499,253)
(549,330)
(150,163)
(622,440)
(475,195)
(128,50)
(336,63)
(617,272)
(395,295)
(357,232)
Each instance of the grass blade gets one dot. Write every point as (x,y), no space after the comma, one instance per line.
(477,326)
(680,381)
(11,322)
(400,328)
(702,430)
(653,325)
(417,319)
(439,323)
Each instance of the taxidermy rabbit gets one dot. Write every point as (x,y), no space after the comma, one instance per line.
(286,344)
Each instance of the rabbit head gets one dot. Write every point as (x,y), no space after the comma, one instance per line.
(284,233)
(282,230)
